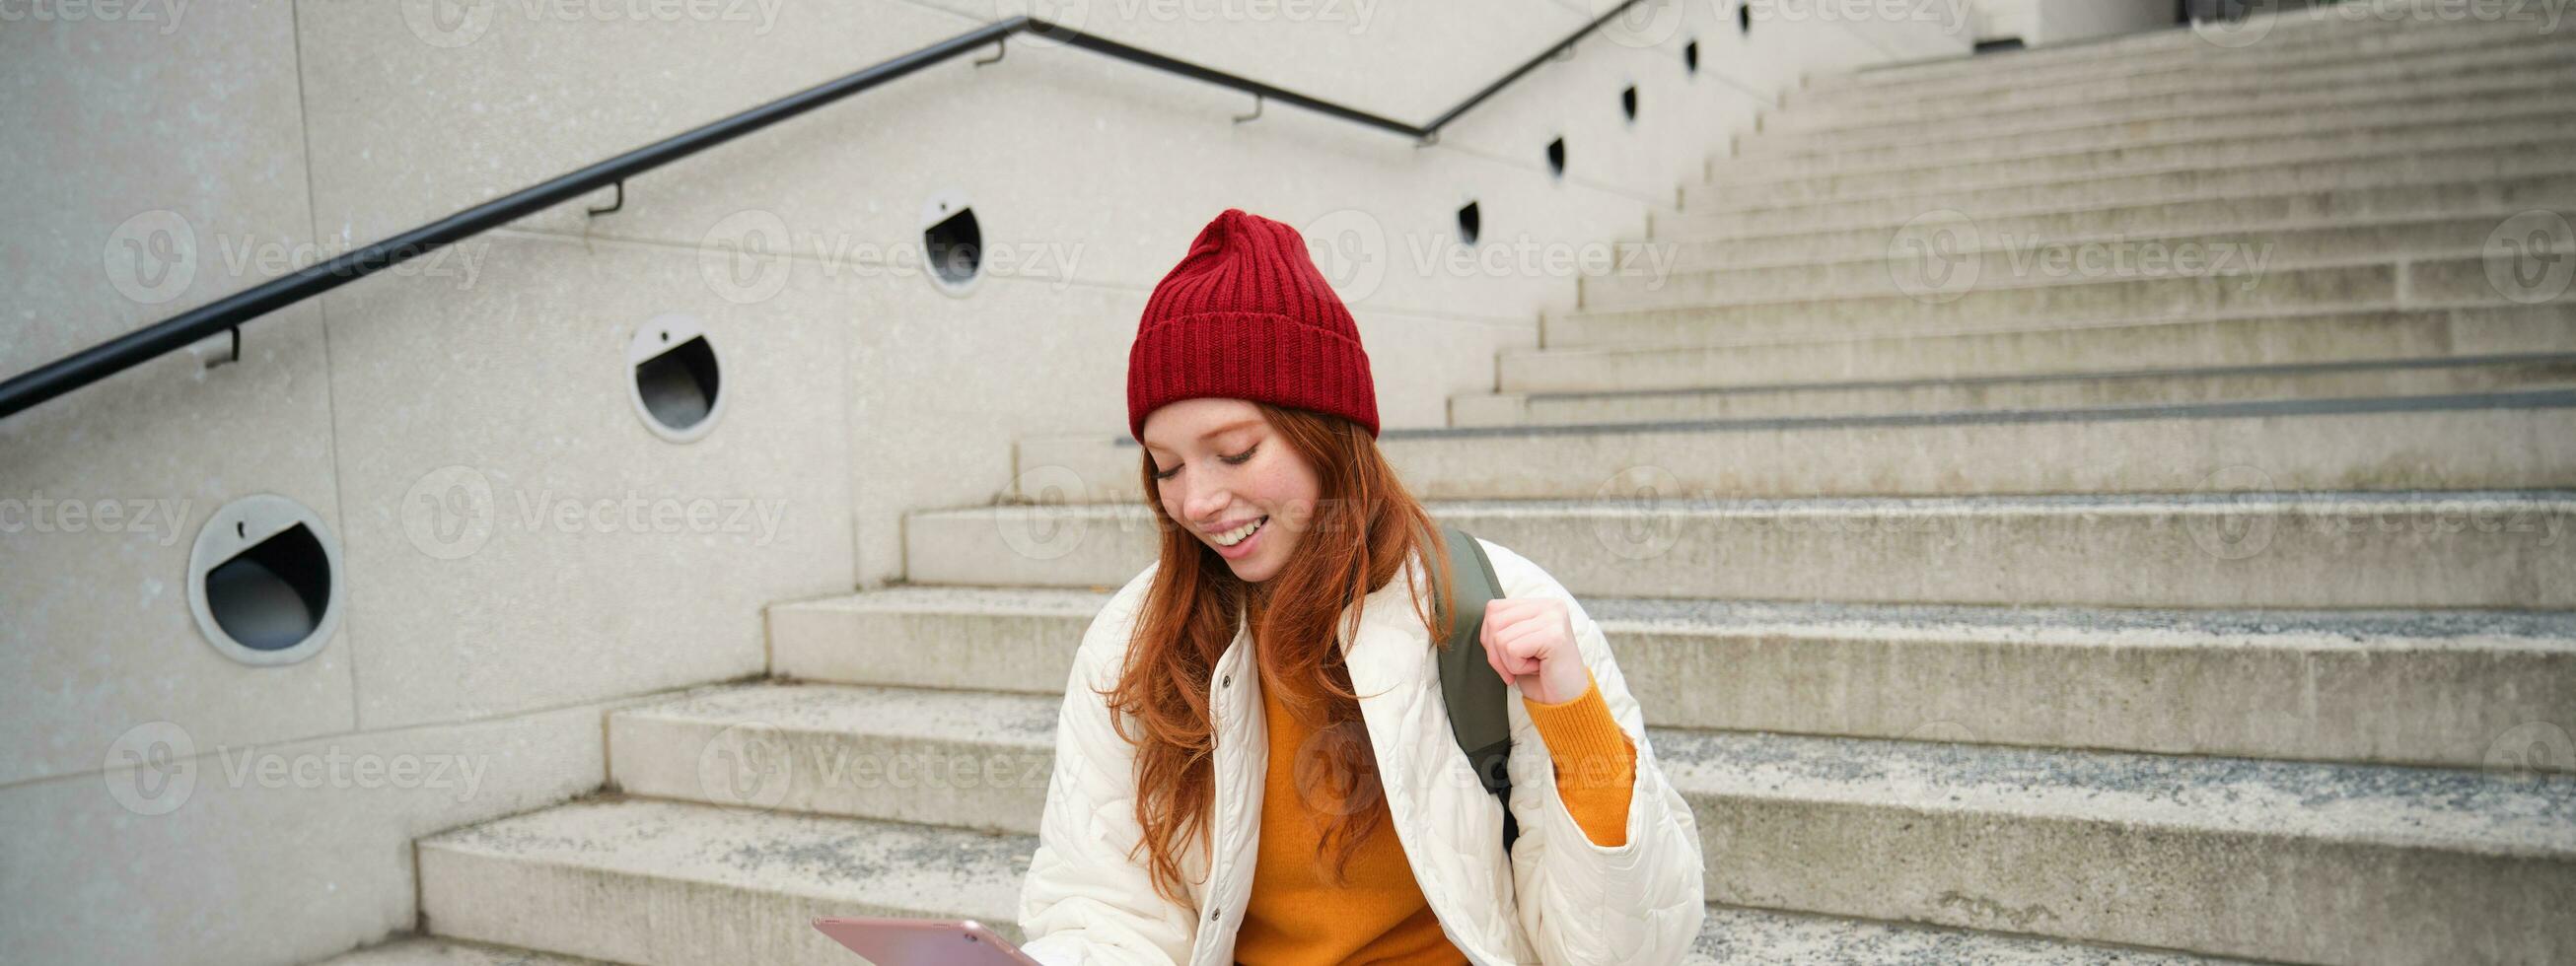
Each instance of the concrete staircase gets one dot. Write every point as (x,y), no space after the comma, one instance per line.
(2119,614)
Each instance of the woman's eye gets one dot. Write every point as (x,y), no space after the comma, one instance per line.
(1238,460)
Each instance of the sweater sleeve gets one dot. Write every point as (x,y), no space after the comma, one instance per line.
(1595,762)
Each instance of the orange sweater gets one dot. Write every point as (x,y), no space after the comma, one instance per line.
(1297,915)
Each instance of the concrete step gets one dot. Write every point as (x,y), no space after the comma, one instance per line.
(432,951)
(2308,112)
(1967,303)
(1963,143)
(2499,440)
(1824,181)
(2406,130)
(677,884)
(2152,387)
(2190,178)
(2147,56)
(976,760)
(2144,48)
(636,880)
(1806,243)
(1735,936)
(2270,860)
(2520,66)
(1648,535)
(1588,351)
(2175,82)
(2376,863)
(2447,689)
(2002,258)
(2181,184)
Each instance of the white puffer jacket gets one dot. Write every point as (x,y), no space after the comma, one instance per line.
(1555,898)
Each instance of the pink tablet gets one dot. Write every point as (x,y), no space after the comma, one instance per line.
(923,942)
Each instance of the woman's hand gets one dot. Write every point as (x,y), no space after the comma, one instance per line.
(1530,642)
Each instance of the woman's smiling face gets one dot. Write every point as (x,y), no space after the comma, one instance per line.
(1218,466)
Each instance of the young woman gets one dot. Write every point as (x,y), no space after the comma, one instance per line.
(1254,763)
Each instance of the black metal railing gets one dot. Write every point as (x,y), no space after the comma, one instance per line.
(230,312)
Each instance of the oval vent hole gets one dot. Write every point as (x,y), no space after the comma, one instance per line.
(679,386)
(955,246)
(272,596)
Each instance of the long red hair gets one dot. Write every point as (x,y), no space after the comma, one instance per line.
(1364,528)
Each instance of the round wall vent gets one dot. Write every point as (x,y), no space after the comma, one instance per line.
(263,580)
(676,380)
(952,243)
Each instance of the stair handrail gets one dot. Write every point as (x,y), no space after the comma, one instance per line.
(230,312)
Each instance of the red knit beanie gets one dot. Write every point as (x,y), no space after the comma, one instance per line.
(1245,315)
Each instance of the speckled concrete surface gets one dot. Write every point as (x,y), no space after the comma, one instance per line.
(751,873)
(641,880)
(2435,688)
(426,951)
(2216,548)
(2088,844)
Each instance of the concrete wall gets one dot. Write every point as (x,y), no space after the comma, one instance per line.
(168,155)
(2042,22)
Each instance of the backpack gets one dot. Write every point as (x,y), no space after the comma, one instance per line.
(1476,696)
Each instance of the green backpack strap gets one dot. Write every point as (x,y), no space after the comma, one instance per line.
(1476,695)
